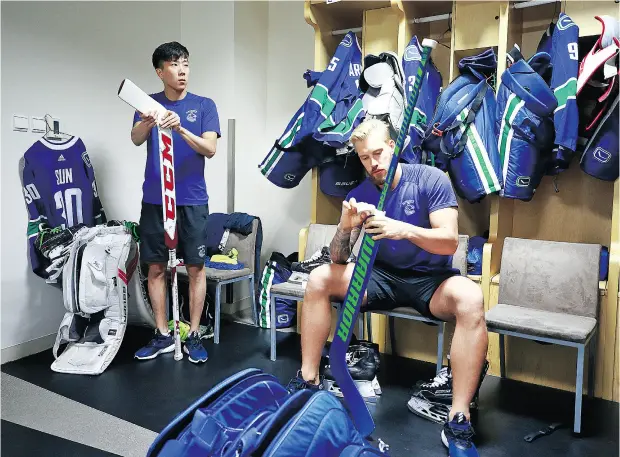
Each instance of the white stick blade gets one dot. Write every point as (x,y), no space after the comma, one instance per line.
(138,99)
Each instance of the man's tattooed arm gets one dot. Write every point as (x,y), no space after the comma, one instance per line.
(342,244)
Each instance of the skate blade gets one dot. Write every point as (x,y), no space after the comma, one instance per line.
(434,412)
(365,388)
(376,386)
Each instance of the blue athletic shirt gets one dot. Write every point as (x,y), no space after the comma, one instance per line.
(421,190)
(198,115)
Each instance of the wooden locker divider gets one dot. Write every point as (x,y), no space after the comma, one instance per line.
(418,340)
(581,211)
(613,291)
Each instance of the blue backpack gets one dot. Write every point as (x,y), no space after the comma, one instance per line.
(277,270)
(252,414)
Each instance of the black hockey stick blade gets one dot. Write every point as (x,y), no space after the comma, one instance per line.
(361,274)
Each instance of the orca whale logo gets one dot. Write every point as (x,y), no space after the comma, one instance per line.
(409,207)
(601,155)
(523,181)
(347,41)
(289,177)
(412,53)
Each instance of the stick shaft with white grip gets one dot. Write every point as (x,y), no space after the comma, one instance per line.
(139,100)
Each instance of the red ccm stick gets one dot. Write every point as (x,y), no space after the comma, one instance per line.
(140,101)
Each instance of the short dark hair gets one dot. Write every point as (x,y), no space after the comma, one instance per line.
(169,52)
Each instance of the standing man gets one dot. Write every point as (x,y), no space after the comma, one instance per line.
(195,129)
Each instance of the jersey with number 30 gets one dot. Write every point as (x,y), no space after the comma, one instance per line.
(560,42)
(60,191)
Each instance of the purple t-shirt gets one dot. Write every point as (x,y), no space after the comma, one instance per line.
(421,190)
(198,115)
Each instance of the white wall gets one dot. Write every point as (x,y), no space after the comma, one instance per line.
(70,65)
(248,57)
(270,88)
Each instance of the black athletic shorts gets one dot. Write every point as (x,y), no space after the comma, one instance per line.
(388,289)
(191,232)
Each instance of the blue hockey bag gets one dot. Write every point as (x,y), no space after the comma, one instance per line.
(525,106)
(252,414)
(429,93)
(462,133)
(277,270)
(600,157)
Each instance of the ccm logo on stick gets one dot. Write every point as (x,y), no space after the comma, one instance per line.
(168,177)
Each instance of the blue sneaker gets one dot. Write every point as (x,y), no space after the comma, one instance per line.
(160,344)
(194,348)
(457,437)
(299,383)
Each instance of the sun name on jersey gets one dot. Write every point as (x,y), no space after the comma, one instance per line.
(64,176)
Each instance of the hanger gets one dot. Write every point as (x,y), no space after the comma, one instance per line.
(54,133)
(449,29)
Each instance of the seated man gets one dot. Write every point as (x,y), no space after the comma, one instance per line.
(413,267)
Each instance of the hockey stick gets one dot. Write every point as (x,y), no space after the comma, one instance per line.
(361,273)
(139,100)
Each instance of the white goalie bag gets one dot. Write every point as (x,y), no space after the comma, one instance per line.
(98,280)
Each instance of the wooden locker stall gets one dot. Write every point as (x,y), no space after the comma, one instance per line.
(379,25)
(418,340)
(575,207)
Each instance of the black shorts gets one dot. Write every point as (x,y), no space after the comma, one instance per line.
(191,233)
(388,289)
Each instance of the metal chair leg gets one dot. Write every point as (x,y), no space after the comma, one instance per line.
(592,365)
(502,356)
(360,326)
(392,335)
(253,296)
(579,388)
(272,327)
(218,298)
(440,333)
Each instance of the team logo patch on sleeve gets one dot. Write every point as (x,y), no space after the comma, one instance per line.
(86,159)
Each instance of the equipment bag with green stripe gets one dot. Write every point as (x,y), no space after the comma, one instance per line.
(525,107)
(277,270)
(323,124)
(462,133)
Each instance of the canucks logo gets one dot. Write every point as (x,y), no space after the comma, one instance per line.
(523,181)
(565,22)
(85,158)
(412,53)
(191,115)
(409,207)
(602,155)
(347,41)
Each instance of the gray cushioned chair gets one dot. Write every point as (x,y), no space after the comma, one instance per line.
(548,292)
(459,260)
(246,246)
(320,235)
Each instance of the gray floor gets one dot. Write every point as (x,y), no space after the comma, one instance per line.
(36,408)
(120,411)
